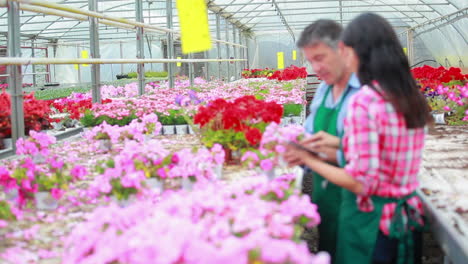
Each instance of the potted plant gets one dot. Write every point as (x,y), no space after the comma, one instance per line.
(51,187)
(238,124)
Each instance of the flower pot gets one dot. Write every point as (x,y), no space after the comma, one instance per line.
(232,157)
(147,137)
(218,171)
(181,129)
(38,158)
(439,118)
(271,174)
(11,195)
(187,184)
(190,130)
(45,201)
(296,120)
(286,121)
(155,184)
(7,143)
(168,130)
(123,203)
(104,145)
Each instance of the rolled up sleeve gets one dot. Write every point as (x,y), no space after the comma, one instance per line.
(362,148)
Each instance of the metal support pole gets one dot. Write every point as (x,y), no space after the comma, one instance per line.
(409,46)
(247,63)
(170,43)
(14,80)
(227,52)
(33,54)
(121,56)
(94,48)
(218,45)
(207,75)
(79,67)
(241,52)
(190,68)
(235,50)
(341,11)
(140,47)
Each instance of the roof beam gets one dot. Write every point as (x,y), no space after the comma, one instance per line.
(312,1)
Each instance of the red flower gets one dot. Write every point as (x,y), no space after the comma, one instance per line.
(253,135)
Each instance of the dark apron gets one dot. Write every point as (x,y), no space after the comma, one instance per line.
(327,195)
(358,230)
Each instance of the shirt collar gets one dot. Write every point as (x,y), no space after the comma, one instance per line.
(354,81)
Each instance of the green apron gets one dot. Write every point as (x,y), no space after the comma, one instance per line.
(358,230)
(326,195)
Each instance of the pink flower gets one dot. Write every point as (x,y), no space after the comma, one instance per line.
(446,108)
(266,164)
(57,193)
(78,172)
(3,223)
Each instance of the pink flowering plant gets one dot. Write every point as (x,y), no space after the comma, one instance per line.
(268,156)
(36,144)
(213,224)
(126,173)
(450,99)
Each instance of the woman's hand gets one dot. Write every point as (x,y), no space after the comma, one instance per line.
(321,139)
(291,156)
(296,156)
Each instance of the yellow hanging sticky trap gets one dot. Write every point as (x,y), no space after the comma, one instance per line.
(405,50)
(280,60)
(84,55)
(193,21)
(294,55)
(76,66)
(179,63)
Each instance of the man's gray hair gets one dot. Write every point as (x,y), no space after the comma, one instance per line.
(321,31)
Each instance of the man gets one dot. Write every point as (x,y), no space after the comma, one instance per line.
(321,47)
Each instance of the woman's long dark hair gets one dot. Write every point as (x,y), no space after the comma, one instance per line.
(382,59)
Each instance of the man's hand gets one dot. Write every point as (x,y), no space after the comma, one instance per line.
(321,139)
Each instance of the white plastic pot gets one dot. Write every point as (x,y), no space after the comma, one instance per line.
(8,143)
(218,171)
(104,145)
(123,203)
(39,158)
(439,118)
(155,184)
(45,201)
(187,184)
(168,130)
(181,129)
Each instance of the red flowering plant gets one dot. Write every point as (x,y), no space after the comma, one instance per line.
(429,78)
(36,114)
(290,73)
(238,124)
(256,73)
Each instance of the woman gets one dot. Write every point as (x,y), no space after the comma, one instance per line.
(383,144)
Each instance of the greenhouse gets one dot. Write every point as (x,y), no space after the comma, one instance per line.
(233,131)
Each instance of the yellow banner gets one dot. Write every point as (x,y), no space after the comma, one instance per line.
(193,20)
(405,50)
(84,55)
(179,63)
(294,55)
(76,66)
(280,60)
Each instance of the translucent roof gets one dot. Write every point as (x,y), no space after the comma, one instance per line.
(437,21)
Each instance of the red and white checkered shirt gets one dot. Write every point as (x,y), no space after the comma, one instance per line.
(381,152)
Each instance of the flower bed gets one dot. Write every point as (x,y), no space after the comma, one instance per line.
(249,220)
(446,91)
